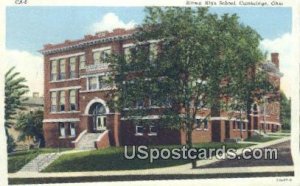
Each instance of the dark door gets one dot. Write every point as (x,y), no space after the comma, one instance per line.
(216,130)
(227,130)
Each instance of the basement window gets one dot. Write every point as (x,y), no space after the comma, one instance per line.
(152,130)
(139,130)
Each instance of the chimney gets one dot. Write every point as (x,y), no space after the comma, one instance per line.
(88,37)
(275,59)
(35,94)
(118,31)
(47,46)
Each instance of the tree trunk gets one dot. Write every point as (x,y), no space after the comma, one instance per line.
(189,143)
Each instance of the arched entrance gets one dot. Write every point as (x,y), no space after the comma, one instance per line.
(98,113)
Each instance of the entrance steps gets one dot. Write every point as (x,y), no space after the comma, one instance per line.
(87,141)
(40,162)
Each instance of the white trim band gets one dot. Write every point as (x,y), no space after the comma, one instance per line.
(270,122)
(64,88)
(67,56)
(61,120)
(128,45)
(101,49)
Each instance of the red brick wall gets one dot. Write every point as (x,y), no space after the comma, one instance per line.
(164,136)
(103,142)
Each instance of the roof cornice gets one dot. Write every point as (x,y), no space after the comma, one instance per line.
(84,44)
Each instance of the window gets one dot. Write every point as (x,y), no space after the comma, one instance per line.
(152,130)
(234,125)
(198,123)
(96,57)
(62,131)
(202,124)
(103,82)
(53,70)
(153,51)
(92,83)
(73,67)
(244,126)
(241,125)
(62,101)
(128,53)
(139,104)
(167,102)
(139,130)
(153,101)
(53,102)
(62,67)
(205,124)
(104,55)
(82,61)
(72,129)
(73,100)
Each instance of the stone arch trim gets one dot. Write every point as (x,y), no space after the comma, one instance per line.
(96,100)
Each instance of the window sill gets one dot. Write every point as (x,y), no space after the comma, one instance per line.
(97,90)
(138,134)
(152,134)
(66,137)
(65,112)
(201,129)
(63,80)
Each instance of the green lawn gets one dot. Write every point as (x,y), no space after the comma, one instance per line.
(262,139)
(113,159)
(17,160)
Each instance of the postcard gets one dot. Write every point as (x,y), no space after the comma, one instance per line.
(184,92)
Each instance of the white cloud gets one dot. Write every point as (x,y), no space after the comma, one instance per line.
(285,46)
(30,66)
(109,22)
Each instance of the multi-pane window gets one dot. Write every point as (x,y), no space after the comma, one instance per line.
(62,101)
(92,83)
(62,131)
(53,70)
(73,100)
(82,61)
(128,53)
(62,67)
(73,67)
(103,82)
(53,102)
(152,130)
(205,124)
(104,55)
(101,56)
(198,123)
(96,57)
(202,124)
(72,129)
(153,51)
(139,103)
(139,130)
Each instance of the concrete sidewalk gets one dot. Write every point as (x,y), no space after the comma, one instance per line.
(170,171)
(182,169)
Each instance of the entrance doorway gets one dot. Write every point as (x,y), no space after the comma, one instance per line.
(98,112)
(101,123)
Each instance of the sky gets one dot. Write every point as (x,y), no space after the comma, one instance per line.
(29,28)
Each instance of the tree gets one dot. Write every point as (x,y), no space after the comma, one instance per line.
(196,56)
(31,125)
(15,89)
(285,111)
